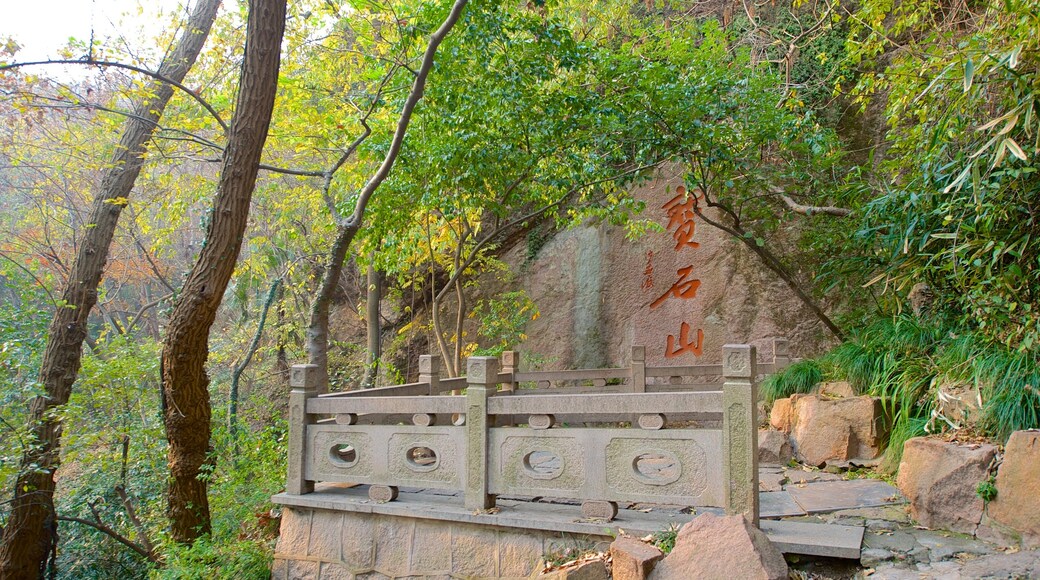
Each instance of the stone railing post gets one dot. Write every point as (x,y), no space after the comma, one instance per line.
(740,430)
(638,369)
(781,354)
(511,365)
(482,380)
(305,383)
(430,371)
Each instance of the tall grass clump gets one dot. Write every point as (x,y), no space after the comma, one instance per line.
(906,360)
(800,377)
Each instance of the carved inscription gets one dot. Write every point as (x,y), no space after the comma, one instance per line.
(681,212)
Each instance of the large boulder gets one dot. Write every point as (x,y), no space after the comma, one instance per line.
(1017,504)
(825,429)
(723,548)
(940,479)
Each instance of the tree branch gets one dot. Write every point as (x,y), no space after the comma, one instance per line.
(813,209)
(416,94)
(151,557)
(112,64)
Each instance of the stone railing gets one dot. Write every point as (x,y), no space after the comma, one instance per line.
(553,433)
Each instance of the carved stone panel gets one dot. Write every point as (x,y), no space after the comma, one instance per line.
(540,463)
(649,467)
(328,457)
(422,457)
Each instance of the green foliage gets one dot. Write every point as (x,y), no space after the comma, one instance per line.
(205,560)
(800,377)
(502,321)
(665,539)
(961,211)
(987,489)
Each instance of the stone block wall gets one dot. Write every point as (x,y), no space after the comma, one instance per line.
(320,544)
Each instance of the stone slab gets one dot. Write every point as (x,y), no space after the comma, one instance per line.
(789,537)
(778,504)
(837,495)
(814,539)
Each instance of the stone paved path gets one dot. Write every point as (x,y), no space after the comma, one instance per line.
(893,547)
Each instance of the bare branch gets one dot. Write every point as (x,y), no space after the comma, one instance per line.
(142,533)
(813,209)
(112,64)
(101,527)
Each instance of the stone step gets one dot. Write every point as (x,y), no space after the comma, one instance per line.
(814,539)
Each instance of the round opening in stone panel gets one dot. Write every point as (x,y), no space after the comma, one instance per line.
(656,468)
(343,455)
(543,464)
(422,458)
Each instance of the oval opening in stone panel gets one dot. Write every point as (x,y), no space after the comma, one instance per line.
(422,458)
(656,467)
(543,465)
(343,455)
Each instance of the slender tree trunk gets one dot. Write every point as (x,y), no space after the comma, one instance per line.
(435,310)
(374,290)
(318,327)
(31,527)
(281,364)
(236,375)
(187,408)
(460,320)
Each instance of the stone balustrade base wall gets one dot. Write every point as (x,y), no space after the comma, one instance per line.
(317,544)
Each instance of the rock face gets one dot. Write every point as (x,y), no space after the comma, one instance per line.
(724,548)
(1017,504)
(838,389)
(824,429)
(632,559)
(939,479)
(773,447)
(682,292)
(781,418)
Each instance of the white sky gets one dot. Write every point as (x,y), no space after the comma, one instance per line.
(43,27)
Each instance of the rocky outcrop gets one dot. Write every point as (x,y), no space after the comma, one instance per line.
(773,447)
(940,479)
(1017,504)
(682,292)
(632,559)
(722,547)
(825,429)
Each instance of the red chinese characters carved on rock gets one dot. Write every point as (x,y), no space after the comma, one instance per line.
(683,288)
(694,347)
(648,272)
(680,210)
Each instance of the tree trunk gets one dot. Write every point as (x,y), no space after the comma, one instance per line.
(374,289)
(31,528)
(236,375)
(186,404)
(318,327)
